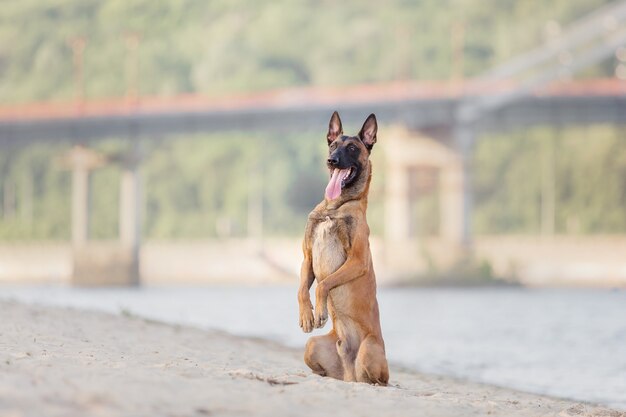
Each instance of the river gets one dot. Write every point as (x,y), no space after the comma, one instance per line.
(565,343)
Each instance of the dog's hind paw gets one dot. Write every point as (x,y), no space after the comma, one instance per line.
(306,320)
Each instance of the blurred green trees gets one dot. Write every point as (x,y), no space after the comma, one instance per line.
(587,169)
(575,179)
(222,46)
(194,184)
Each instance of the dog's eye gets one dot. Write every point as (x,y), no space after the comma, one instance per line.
(352,148)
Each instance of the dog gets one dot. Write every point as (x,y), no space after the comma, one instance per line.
(337,254)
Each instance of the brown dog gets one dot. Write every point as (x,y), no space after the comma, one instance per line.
(337,253)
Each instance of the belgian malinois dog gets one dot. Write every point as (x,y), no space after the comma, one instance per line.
(337,253)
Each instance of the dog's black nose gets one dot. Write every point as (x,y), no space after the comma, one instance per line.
(333,160)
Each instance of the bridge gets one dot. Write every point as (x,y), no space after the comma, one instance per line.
(435,124)
(417,105)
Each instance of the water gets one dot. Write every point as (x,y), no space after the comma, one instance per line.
(565,343)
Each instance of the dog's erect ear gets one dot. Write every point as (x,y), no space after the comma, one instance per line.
(368,131)
(334,128)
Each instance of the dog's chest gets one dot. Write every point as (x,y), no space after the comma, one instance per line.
(328,251)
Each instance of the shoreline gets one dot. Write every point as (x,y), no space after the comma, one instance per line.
(58,361)
(536,261)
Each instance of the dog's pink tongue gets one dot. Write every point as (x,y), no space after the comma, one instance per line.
(333,189)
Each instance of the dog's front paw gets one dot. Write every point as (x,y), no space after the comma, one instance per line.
(306,319)
(321,316)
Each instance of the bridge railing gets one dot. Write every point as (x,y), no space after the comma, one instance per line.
(586,42)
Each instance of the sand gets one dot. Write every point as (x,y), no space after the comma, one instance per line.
(64,362)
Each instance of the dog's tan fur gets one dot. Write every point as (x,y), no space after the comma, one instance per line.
(337,254)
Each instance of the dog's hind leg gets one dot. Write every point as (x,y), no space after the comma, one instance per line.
(371,364)
(347,353)
(320,354)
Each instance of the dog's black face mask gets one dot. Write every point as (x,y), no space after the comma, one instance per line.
(348,156)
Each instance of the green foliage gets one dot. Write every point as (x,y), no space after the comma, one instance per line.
(35,194)
(193,186)
(218,46)
(588,167)
(190,183)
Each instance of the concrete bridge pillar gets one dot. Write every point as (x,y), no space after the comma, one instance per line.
(104,263)
(452,188)
(130,220)
(397,203)
(80,206)
(407,253)
(464,138)
(81,161)
(129,217)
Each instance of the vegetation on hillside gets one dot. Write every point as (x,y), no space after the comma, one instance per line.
(573,181)
(213,47)
(194,184)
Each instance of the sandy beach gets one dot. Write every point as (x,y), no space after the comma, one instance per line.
(64,362)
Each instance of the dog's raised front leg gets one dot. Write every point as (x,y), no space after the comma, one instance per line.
(304,299)
(356,265)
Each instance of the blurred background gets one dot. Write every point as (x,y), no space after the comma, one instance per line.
(161,157)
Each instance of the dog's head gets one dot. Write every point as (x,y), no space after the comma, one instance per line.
(348,158)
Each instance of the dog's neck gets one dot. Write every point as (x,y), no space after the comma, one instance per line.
(358,192)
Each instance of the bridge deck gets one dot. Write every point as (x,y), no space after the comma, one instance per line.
(416,104)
